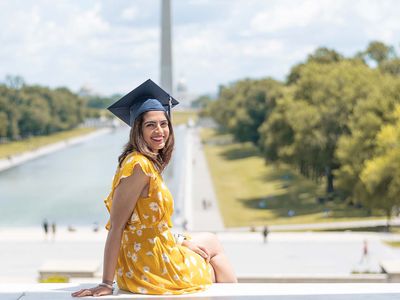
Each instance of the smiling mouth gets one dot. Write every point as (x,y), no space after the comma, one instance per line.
(158,139)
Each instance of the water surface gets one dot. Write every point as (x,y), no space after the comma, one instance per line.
(68,187)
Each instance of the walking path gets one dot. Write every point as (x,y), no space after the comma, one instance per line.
(206,215)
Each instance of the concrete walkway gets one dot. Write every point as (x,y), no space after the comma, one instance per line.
(295,255)
(206,215)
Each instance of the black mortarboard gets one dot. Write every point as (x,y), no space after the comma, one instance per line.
(146,97)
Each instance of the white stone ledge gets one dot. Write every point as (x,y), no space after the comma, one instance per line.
(238,291)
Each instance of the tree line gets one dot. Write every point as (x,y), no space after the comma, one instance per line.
(334,117)
(32,110)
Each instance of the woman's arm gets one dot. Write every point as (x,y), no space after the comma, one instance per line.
(125,197)
(124,201)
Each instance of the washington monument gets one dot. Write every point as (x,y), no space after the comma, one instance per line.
(166,47)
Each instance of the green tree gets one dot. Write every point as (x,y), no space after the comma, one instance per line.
(3,125)
(364,124)
(391,66)
(379,52)
(321,55)
(323,101)
(242,107)
(380,177)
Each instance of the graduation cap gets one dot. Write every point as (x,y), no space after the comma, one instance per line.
(146,97)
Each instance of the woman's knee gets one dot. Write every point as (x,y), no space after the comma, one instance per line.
(211,240)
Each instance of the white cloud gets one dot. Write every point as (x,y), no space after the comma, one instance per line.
(285,16)
(382,18)
(129,13)
(263,48)
(114,47)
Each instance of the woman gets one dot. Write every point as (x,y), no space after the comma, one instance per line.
(140,248)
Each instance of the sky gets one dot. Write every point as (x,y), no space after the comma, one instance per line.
(113,46)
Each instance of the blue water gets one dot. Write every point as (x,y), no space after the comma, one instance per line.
(68,187)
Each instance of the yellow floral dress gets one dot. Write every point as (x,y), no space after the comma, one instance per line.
(150,261)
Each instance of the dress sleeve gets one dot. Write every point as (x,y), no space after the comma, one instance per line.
(124,171)
(129,164)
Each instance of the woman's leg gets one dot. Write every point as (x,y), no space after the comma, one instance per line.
(222,268)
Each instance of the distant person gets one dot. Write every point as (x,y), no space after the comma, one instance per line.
(185,225)
(265,233)
(140,250)
(54,229)
(365,254)
(45,226)
(71,228)
(204,203)
(95,227)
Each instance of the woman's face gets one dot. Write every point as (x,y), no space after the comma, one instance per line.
(155,129)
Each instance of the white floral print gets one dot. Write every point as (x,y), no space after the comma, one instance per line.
(165,257)
(187,262)
(129,274)
(134,257)
(137,246)
(154,206)
(134,217)
(142,290)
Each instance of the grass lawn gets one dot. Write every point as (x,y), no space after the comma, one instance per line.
(395,244)
(250,192)
(33,143)
(182,117)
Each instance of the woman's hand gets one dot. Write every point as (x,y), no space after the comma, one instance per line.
(202,251)
(99,290)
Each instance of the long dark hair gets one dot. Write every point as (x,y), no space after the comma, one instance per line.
(137,143)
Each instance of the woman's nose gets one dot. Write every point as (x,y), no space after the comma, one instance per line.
(158,128)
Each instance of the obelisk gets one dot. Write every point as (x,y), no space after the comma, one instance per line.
(166,47)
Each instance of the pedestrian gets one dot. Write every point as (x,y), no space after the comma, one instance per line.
(365,254)
(140,250)
(204,203)
(265,233)
(45,226)
(95,227)
(185,224)
(53,230)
